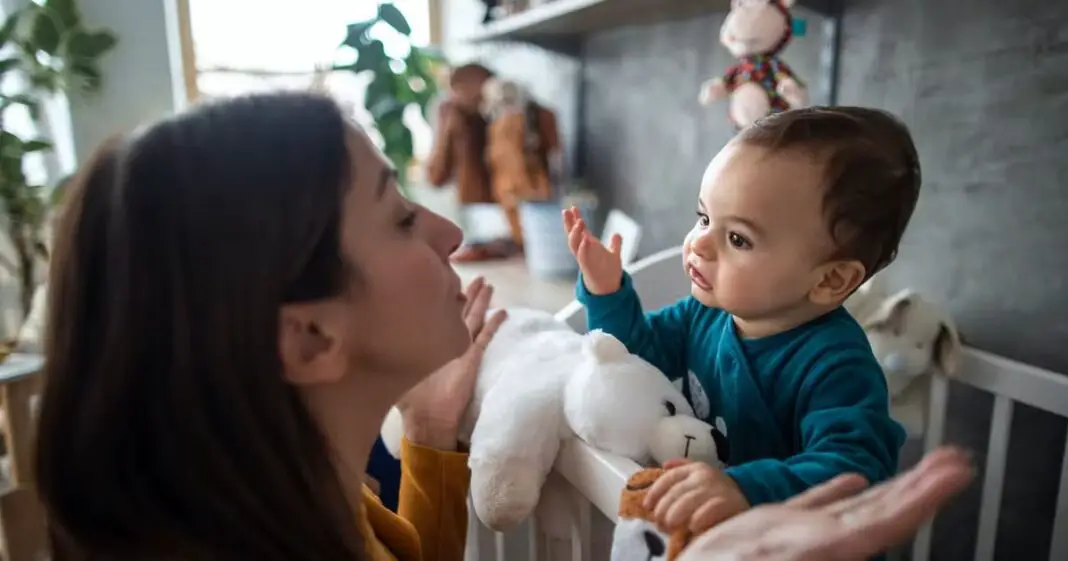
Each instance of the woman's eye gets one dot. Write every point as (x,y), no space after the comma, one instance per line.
(702,220)
(408,222)
(738,241)
(670,408)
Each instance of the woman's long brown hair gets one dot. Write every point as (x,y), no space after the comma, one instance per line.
(166,429)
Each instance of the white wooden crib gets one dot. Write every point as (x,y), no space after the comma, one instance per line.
(579,528)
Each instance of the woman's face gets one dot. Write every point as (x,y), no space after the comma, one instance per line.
(401,317)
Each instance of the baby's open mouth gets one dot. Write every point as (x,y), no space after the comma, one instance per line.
(697,278)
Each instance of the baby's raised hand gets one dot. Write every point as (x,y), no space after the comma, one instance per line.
(694,496)
(602,267)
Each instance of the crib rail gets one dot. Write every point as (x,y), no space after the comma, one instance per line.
(1010,382)
(579,527)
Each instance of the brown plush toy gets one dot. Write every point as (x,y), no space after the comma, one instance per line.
(636,536)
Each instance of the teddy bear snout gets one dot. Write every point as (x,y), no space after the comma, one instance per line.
(894,363)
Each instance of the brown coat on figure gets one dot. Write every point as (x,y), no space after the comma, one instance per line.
(459,150)
(518,161)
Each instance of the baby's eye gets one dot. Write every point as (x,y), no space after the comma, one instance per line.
(738,241)
(702,219)
(670,408)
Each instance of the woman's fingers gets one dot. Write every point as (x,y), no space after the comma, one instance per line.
(489,329)
(470,291)
(873,527)
(841,487)
(901,483)
(476,314)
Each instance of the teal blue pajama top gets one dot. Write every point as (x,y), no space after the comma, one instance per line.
(791,410)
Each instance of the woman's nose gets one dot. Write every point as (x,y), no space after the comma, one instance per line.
(445,236)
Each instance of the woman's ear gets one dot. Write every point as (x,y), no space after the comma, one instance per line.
(309,345)
(948,348)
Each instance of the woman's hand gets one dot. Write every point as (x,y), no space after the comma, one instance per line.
(832,523)
(432,411)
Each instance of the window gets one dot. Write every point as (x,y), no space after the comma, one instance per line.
(288,44)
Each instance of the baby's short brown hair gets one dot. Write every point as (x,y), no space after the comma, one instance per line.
(872,173)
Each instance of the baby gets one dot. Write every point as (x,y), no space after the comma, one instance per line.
(793,215)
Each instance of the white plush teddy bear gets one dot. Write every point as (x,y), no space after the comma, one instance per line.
(541,383)
(912,338)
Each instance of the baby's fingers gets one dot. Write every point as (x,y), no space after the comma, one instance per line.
(569,220)
(576,235)
(662,485)
(708,514)
(682,510)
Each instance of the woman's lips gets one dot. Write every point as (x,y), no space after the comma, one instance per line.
(697,279)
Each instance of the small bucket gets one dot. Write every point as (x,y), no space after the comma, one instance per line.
(544,239)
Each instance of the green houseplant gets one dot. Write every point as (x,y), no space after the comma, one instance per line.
(396,82)
(46,49)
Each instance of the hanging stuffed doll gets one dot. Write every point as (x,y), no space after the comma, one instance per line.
(522,150)
(759,83)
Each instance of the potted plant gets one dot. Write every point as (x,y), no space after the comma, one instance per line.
(397,82)
(45,49)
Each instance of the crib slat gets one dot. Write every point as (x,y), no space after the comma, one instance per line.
(499,547)
(997,456)
(933,438)
(474,529)
(580,527)
(1058,549)
(534,540)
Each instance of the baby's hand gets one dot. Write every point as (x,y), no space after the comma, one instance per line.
(695,496)
(602,267)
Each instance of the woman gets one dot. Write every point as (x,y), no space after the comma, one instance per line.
(238,295)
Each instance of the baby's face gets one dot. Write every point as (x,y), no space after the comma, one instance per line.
(760,241)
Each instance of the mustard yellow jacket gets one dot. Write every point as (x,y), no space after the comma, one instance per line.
(431,519)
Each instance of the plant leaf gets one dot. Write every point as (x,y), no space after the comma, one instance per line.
(46,31)
(87,73)
(36,146)
(371,56)
(356,33)
(392,15)
(8,64)
(65,12)
(10,24)
(84,45)
(26,100)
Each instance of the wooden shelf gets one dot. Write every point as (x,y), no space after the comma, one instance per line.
(564,20)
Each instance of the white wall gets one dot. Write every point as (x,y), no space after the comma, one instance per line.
(142,81)
(142,75)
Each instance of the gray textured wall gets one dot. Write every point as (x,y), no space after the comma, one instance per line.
(984,86)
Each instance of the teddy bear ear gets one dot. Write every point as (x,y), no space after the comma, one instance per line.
(948,348)
(891,312)
(604,347)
